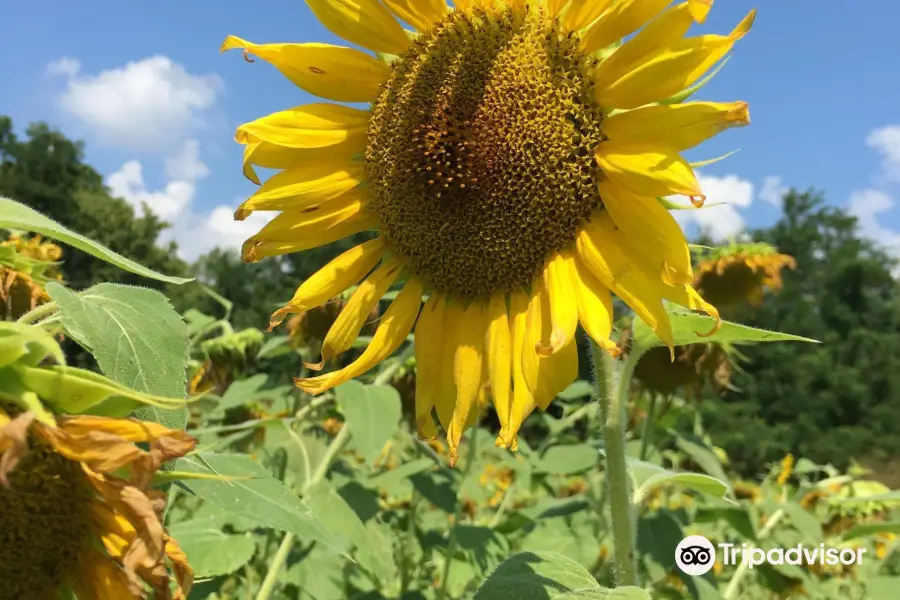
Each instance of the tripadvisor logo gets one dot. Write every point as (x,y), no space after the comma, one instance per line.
(696,555)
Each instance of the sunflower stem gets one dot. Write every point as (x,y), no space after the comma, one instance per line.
(287,542)
(38,313)
(612,392)
(453,541)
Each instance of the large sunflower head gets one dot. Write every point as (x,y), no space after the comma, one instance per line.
(510,161)
(77,511)
(740,273)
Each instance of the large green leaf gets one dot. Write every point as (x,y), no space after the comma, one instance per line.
(690,328)
(548,576)
(14,215)
(210,551)
(253,494)
(568,460)
(136,336)
(698,482)
(372,413)
(335,513)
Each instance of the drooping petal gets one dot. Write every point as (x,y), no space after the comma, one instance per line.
(582,13)
(468,368)
(421,14)
(308,126)
(498,345)
(595,308)
(332,279)
(272,156)
(358,310)
(657,72)
(662,246)
(659,171)
(601,248)
(557,278)
(545,376)
(354,221)
(445,394)
(429,341)
(100,578)
(296,225)
(310,184)
(678,126)
(395,325)
(621,19)
(522,401)
(331,72)
(363,22)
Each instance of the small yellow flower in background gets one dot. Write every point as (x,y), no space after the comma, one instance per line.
(498,480)
(741,273)
(787,469)
(26,265)
(332,426)
(77,511)
(511,175)
(747,490)
(883,543)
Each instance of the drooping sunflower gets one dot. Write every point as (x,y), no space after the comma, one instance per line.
(740,273)
(510,161)
(77,511)
(26,265)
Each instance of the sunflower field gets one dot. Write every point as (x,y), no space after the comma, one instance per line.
(504,379)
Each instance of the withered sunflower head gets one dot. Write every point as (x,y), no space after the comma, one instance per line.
(741,273)
(77,511)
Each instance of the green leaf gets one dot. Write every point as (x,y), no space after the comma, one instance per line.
(14,215)
(210,551)
(803,521)
(690,328)
(372,413)
(620,593)
(261,499)
(335,513)
(578,389)
(695,481)
(134,333)
(870,529)
(889,497)
(736,517)
(376,553)
(27,343)
(568,460)
(700,452)
(541,576)
(658,537)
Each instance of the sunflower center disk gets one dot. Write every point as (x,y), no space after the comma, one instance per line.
(43,525)
(480,150)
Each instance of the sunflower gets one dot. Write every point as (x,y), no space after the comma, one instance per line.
(510,160)
(26,265)
(77,512)
(741,273)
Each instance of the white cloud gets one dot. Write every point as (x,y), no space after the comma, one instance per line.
(65,66)
(148,104)
(869,206)
(773,191)
(886,140)
(195,233)
(720,218)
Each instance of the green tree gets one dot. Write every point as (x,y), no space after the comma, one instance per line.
(833,401)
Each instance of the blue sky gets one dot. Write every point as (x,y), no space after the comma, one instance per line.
(144,86)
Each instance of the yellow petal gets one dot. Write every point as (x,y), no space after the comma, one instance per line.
(545,376)
(498,345)
(308,126)
(392,330)
(363,22)
(332,279)
(522,401)
(653,72)
(668,27)
(326,178)
(256,249)
(595,308)
(429,343)
(563,306)
(445,394)
(554,7)
(332,72)
(651,172)
(663,247)
(700,9)
(601,248)
(295,225)
(467,371)
(421,14)
(623,18)
(677,126)
(358,310)
(272,156)
(582,13)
